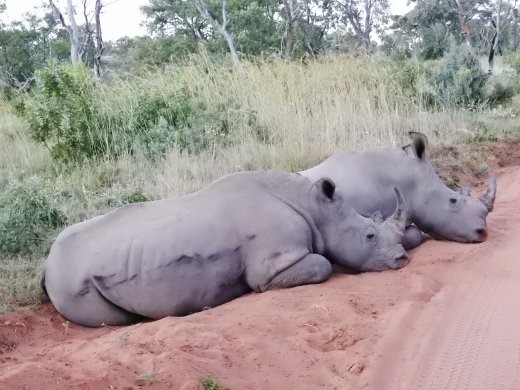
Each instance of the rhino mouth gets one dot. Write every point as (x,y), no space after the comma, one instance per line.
(479,238)
(401,261)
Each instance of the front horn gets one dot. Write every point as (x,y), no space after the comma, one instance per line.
(488,199)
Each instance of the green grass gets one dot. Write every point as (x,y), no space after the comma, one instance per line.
(279,115)
(211,383)
(148,378)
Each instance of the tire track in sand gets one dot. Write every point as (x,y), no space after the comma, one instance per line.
(473,333)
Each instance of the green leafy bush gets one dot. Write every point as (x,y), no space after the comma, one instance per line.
(459,79)
(27,219)
(78,118)
(164,119)
(60,112)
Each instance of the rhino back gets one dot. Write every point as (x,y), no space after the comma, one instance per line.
(367,179)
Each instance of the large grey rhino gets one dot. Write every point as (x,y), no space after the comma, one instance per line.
(247,231)
(367,179)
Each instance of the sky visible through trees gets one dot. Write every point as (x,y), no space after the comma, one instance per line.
(124,18)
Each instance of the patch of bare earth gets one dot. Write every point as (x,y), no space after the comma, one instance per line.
(448,320)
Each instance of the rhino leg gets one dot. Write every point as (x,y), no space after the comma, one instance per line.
(310,269)
(90,308)
(412,237)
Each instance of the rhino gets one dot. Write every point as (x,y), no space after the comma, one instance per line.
(248,231)
(366,180)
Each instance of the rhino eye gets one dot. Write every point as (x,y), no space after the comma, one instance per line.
(453,200)
(371,236)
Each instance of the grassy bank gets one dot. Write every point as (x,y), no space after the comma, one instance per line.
(270,115)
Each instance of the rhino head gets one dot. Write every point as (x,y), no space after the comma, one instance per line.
(358,242)
(440,211)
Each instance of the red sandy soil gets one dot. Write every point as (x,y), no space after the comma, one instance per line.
(449,320)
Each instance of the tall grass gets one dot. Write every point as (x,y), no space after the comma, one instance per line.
(286,115)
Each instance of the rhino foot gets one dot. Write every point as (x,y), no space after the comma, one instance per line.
(310,269)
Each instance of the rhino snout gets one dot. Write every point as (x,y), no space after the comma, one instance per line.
(481,235)
(402,261)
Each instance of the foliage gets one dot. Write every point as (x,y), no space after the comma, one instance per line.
(77,118)
(29,217)
(60,113)
(459,79)
(26,46)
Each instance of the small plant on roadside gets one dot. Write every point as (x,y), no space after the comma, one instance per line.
(146,378)
(210,383)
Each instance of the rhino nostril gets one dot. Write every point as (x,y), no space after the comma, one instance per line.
(402,258)
(482,233)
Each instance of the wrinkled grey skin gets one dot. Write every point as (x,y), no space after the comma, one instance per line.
(247,231)
(366,180)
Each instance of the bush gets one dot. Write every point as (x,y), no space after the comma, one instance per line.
(164,119)
(77,118)
(459,79)
(27,219)
(60,113)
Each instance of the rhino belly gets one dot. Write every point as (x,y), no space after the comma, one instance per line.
(184,285)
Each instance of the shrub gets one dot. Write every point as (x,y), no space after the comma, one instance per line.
(77,118)
(459,79)
(60,112)
(28,219)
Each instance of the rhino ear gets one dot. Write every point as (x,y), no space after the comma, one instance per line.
(377,217)
(326,187)
(419,144)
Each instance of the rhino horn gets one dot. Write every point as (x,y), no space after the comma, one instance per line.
(488,199)
(464,191)
(398,218)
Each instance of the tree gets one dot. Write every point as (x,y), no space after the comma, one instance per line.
(363,16)
(433,23)
(72,29)
(219,26)
(25,45)
(293,13)
(251,26)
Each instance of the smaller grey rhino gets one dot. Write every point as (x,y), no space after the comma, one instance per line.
(247,231)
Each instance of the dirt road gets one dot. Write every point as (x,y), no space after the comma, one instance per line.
(449,320)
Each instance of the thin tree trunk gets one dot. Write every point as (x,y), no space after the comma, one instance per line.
(202,7)
(100,45)
(292,21)
(368,24)
(74,34)
(496,39)
(71,28)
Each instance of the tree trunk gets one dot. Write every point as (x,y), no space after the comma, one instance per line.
(100,45)
(368,24)
(71,28)
(73,33)
(496,38)
(229,40)
(292,21)
(202,7)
